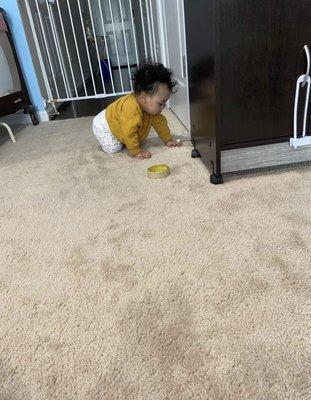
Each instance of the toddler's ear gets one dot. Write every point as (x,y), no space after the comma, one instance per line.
(144,96)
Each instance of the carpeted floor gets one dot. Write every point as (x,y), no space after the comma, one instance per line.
(115,286)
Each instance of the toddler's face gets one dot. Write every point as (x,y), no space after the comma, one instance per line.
(154,104)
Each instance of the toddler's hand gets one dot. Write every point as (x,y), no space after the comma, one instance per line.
(143,154)
(173,143)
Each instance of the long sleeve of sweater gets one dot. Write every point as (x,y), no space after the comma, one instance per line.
(159,123)
(130,127)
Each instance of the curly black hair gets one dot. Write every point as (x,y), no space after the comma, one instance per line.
(150,75)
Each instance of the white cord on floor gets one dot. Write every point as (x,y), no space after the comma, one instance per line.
(9,131)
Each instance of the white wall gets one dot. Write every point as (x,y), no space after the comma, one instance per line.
(6,83)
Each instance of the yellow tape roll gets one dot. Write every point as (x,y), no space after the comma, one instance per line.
(158,171)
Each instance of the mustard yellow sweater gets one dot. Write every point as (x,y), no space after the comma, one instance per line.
(131,125)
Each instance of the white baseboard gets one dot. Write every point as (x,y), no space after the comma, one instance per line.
(43,116)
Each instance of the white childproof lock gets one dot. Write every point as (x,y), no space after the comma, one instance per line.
(304,139)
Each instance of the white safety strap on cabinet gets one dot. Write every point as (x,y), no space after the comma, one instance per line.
(303,139)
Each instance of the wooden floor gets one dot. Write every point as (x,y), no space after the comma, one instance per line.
(83,108)
(88,107)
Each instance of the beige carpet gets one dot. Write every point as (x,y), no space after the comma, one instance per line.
(115,286)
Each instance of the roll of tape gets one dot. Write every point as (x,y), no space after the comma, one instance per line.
(158,171)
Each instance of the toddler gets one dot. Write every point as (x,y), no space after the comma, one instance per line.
(128,120)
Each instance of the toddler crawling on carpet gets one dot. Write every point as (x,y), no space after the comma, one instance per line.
(128,120)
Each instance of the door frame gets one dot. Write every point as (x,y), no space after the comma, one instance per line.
(163,45)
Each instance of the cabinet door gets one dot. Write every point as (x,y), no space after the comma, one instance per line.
(200,42)
(260,56)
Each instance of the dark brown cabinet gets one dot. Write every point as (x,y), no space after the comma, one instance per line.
(244,58)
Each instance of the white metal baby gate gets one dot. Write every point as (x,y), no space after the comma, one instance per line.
(90,48)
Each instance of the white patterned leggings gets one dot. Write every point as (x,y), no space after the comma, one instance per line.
(109,143)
